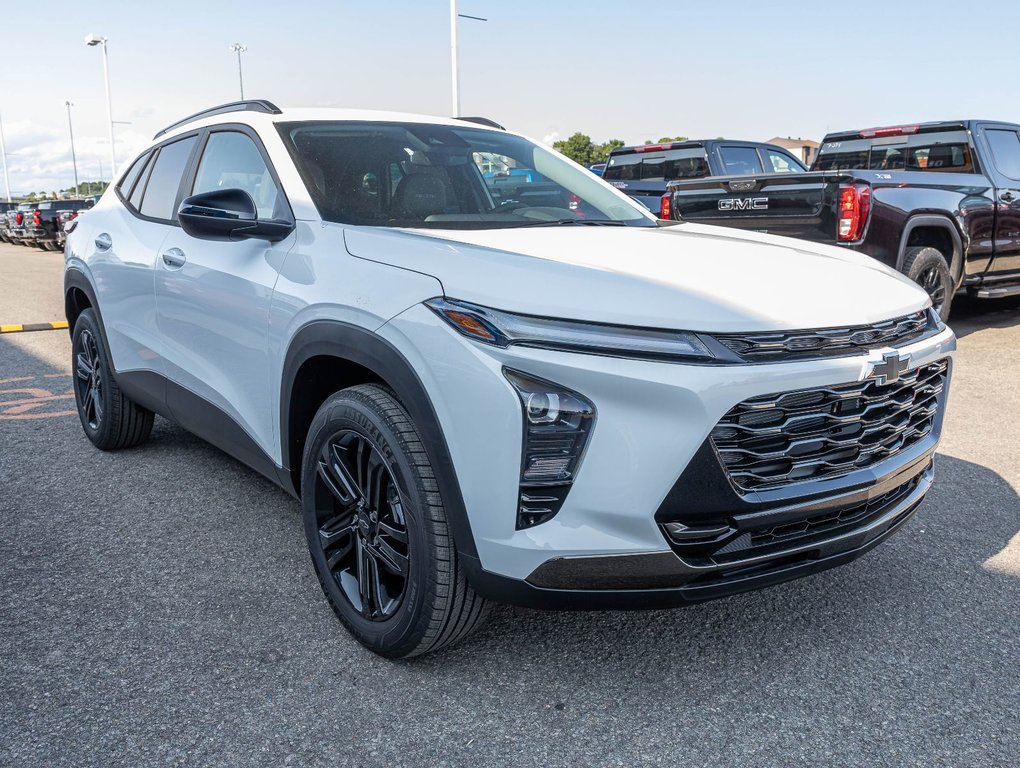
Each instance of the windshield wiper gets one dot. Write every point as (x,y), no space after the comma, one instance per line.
(582,222)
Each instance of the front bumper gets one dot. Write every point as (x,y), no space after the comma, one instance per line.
(643,468)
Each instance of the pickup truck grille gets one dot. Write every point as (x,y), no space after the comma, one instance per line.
(828,342)
(810,434)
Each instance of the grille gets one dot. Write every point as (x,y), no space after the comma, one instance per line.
(812,434)
(829,342)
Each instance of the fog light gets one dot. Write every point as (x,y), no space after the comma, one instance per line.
(557,425)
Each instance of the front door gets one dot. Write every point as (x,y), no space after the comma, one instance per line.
(1003,143)
(212,305)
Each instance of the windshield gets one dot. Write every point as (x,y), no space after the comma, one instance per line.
(421,175)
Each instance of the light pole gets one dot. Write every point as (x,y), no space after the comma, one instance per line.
(454,66)
(74,159)
(3,151)
(239,49)
(92,41)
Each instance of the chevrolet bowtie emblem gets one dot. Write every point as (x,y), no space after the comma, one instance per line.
(889,370)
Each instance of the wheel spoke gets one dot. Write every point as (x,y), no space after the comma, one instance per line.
(333,530)
(364,578)
(84,367)
(393,532)
(395,562)
(339,554)
(97,402)
(334,472)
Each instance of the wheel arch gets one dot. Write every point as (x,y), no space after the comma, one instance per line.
(938,232)
(78,296)
(325,356)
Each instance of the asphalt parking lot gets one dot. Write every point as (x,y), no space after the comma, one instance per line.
(158,608)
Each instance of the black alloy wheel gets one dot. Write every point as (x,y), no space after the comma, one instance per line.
(927,267)
(931,280)
(362,528)
(377,527)
(88,379)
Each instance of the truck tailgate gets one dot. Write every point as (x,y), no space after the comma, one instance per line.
(793,204)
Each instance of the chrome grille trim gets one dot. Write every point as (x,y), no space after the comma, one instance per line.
(829,342)
(787,437)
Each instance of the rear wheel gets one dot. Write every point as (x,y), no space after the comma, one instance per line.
(377,529)
(928,268)
(110,419)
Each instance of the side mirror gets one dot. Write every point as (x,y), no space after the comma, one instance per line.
(228,214)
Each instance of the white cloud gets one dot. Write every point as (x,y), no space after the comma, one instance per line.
(549,138)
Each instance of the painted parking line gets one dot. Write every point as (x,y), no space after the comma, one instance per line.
(22,327)
(36,397)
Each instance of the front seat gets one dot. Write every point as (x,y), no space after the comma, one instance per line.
(418,196)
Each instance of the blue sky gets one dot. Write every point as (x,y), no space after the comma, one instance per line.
(630,70)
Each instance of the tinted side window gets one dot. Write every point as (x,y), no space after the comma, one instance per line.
(781,163)
(135,201)
(739,160)
(132,175)
(1005,152)
(165,179)
(232,161)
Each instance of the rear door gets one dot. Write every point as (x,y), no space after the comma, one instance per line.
(213,299)
(1002,145)
(122,251)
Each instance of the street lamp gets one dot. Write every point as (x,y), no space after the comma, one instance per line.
(92,41)
(239,49)
(3,151)
(74,159)
(455,68)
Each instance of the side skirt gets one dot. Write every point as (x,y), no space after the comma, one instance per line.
(203,419)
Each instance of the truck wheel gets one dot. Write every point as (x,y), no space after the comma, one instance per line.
(110,419)
(377,529)
(928,268)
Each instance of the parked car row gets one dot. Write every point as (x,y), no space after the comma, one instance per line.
(940,202)
(40,223)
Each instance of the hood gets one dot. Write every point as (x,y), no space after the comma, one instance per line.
(690,276)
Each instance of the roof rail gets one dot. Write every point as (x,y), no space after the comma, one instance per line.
(250,105)
(482,121)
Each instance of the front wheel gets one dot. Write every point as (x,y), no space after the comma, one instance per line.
(928,268)
(377,530)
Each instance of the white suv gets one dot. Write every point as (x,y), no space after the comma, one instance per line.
(488,375)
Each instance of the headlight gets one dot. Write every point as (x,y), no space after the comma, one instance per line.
(557,426)
(501,329)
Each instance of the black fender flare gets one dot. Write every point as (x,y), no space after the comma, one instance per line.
(345,341)
(942,222)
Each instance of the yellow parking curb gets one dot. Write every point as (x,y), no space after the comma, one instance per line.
(21,327)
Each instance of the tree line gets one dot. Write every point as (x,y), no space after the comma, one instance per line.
(581,149)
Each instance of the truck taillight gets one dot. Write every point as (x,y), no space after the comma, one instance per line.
(892,130)
(19,218)
(665,207)
(854,207)
(37,218)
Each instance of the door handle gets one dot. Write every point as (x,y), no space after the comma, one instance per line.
(174,258)
(1007,197)
(104,242)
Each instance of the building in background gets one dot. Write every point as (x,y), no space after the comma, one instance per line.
(803,149)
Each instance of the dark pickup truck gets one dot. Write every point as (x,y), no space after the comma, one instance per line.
(40,223)
(938,201)
(643,171)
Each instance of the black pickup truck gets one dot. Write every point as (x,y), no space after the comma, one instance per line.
(938,201)
(642,171)
(40,224)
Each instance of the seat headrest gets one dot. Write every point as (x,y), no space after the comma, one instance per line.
(419,195)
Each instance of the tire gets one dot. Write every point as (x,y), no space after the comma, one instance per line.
(372,507)
(110,419)
(928,268)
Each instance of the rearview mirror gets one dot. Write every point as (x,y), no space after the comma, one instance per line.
(228,214)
